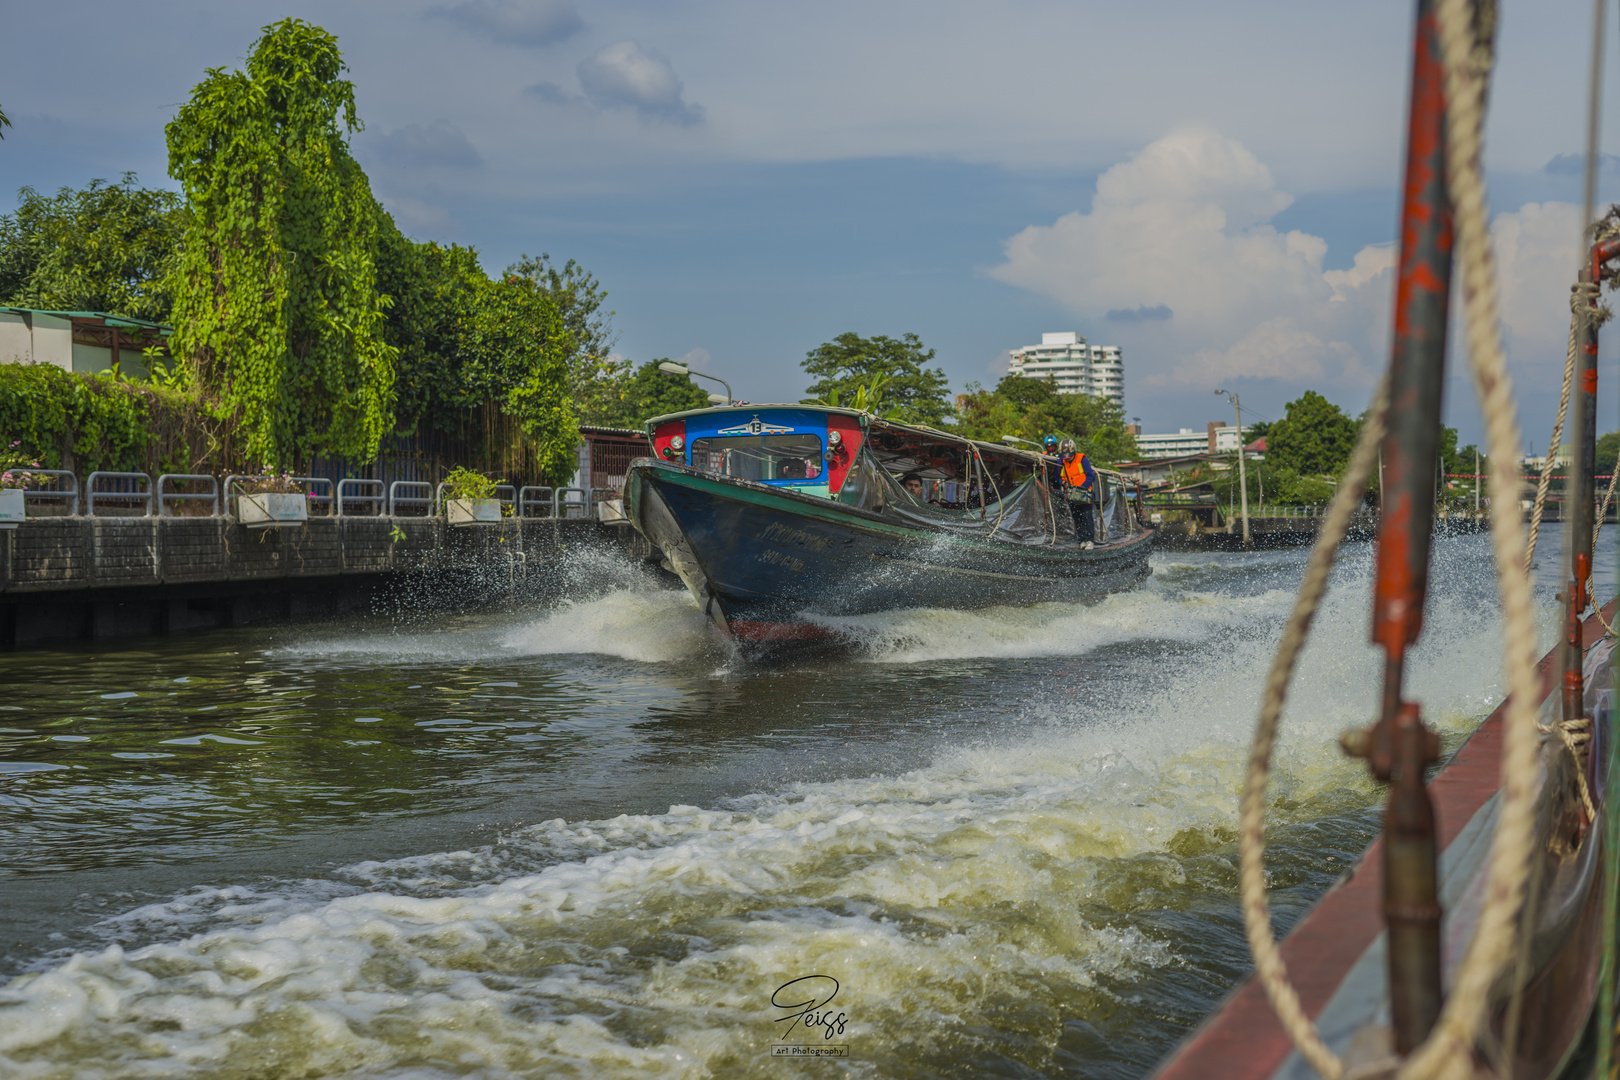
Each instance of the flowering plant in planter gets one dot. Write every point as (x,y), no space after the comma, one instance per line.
(272,484)
(276,499)
(14,465)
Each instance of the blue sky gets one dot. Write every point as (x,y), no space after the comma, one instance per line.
(749,179)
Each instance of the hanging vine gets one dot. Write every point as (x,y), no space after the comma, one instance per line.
(278,318)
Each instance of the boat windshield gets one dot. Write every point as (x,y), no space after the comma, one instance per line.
(760,457)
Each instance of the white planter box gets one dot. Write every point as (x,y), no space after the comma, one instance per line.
(13,507)
(271,508)
(473,511)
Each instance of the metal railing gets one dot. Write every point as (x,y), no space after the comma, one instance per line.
(130,495)
(104,491)
(236,481)
(346,494)
(164,497)
(562,507)
(395,499)
(525,504)
(71,494)
(327,502)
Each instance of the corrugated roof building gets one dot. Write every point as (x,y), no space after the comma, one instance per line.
(84,342)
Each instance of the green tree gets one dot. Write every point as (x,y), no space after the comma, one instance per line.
(912,393)
(434,292)
(1032,409)
(471,352)
(1314,438)
(5,122)
(593,374)
(277,312)
(650,392)
(517,360)
(106,247)
(1608,453)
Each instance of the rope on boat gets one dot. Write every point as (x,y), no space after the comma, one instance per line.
(1577,736)
(1448,1052)
(1466,56)
(1251,836)
(1557,440)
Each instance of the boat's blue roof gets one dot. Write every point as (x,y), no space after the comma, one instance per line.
(867,420)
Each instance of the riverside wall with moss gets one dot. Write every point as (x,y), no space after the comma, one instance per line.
(111,577)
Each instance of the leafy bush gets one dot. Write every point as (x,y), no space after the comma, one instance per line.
(88,422)
(464,483)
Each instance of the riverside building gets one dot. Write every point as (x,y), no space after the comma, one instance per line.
(1216,438)
(1074,366)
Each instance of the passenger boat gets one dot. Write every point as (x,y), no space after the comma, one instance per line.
(779,516)
(1476,937)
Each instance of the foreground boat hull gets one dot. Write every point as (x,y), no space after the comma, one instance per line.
(1335,954)
(764,562)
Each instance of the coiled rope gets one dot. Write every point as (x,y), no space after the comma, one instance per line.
(1447,1053)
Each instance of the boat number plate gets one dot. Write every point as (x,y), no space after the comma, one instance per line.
(756,426)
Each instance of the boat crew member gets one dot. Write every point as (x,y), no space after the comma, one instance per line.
(1054,467)
(1080,480)
(914,484)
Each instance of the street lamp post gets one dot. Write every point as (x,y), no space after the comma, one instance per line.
(1243,477)
(681,369)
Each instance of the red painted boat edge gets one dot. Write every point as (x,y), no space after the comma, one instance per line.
(780,631)
(1242,1039)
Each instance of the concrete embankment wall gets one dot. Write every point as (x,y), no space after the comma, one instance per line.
(109,577)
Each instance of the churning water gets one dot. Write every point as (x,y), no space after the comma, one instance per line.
(587,842)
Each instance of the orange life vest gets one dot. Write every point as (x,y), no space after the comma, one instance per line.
(1074,470)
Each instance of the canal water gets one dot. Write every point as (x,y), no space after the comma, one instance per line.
(585,841)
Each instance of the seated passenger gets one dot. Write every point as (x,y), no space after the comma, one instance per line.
(913,483)
(791,469)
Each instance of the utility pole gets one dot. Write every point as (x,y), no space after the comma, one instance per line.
(1243,476)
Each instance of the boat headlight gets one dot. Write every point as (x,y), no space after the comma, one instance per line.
(677,443)
(834,438)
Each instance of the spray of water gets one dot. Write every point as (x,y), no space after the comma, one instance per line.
(973,911)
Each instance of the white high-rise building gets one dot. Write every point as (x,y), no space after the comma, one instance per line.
(1075,366)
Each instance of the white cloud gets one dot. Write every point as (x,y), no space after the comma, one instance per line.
(623,76)
(1537,249)
(517,22)
(1182,229)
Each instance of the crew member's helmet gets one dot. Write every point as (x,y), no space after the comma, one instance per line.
(1051,442)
